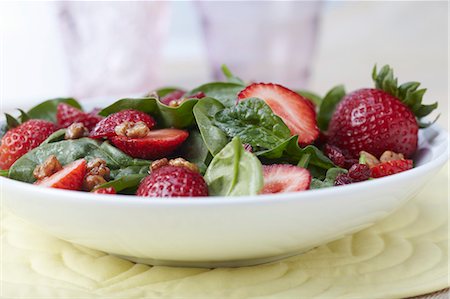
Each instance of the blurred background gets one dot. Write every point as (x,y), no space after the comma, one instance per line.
(89,49)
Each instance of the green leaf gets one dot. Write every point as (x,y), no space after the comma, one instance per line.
(313,97)
(161,92)
(11,121)
(224,92)
(4,172)
(23,116)
(234,171)
(47,110)
(128,182)
(289,151)
(178,117)
(195,150)
(214,138)
(130,170)
(331,175)
(328,105)
(3,129)
(254,123)
(145,104)
(55,137)
(230,77)
(68,151)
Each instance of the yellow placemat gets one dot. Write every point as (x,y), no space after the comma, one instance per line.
(404,255)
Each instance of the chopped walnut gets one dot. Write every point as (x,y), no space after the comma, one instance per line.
(132,130)
(183,163)
(76,131)
(92,181)
(176,103)
(391,156)
(98,167)
(158,164)
(46,169)
(370,159)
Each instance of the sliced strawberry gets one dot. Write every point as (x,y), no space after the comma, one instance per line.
(391,167)
(281,178)
(70,177)
(157,144)
(109,190)
(173,96)
(105,128)
(20,140)
(67,115)
(296,111)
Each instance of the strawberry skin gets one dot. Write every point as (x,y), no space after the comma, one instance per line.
(67,115)
(281,178)
(374,121)
(173,181)
(105,128)
(70,177)
(109,190)
(157,144)
(296,111)
(20,140)
(391,167)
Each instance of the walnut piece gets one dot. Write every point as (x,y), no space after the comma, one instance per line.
(132,130)
(370,159)
(391,156)
(158,164)
(76,131)
(176,103)
(92,181)
(46,169)
(98,166)
(180,162)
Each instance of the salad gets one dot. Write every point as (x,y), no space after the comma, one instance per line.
(226,138)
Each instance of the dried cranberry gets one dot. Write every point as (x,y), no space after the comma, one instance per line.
(343,179)
(335,155)
(248,147)
(359,172)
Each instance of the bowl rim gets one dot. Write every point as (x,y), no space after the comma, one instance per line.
(120,199)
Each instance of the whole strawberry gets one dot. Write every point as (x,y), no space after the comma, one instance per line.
(20,140)
(67,115)
(173,181)
(379,119)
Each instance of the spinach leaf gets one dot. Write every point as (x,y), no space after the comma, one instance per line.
(215,139)
(55,137)
(47,110)
(254,122)
(68,151)
(3,129)
(178,117)
(194,150)
(313,97)
(290,151)
(129,170)
(145,104)
(224,92)
(330,177)
(328,105)
(234,171)
(161,92)
(4,172)
(128,182)
(230,77)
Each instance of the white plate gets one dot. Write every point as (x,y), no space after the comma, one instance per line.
(222,231)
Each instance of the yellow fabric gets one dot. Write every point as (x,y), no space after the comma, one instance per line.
(404,255)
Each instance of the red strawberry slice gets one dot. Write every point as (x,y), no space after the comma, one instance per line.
(20,140)
(391,167)
(67,115)
(105,128)
(173,96)
(296,111)
(70,177)
(281,178)
(109,190)
(157,144)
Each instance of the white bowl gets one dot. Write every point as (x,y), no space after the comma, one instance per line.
(222,231)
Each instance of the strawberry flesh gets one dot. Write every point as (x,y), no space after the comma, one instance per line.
(67,115)
(157,144)
(20,140)
(391,167)
(280,178)
(70,177)
(173,181)
(105,128)
(109,190)
(296,111)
